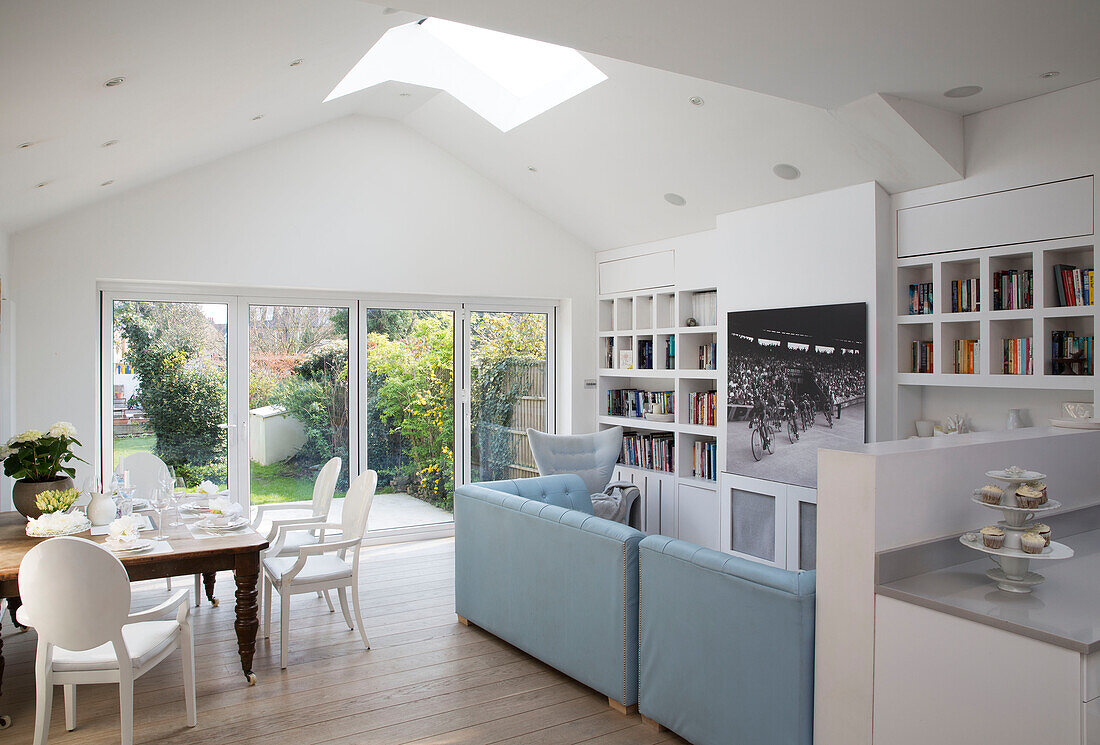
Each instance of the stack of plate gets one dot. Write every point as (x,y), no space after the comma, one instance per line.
(140,546)
(219,524)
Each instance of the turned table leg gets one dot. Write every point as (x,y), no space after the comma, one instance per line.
(246,573)
(208,579)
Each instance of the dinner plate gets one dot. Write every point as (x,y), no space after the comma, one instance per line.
(137,547)
(195,509)
(207,523)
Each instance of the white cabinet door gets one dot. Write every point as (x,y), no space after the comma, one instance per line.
(698,517)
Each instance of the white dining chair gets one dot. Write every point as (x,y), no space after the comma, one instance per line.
(148,472)
(76,595)
(321,566)
(324,487)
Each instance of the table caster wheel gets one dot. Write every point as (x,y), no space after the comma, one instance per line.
(5,721)
(214,602)
(251,679)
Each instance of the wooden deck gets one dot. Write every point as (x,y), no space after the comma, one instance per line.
(427,679)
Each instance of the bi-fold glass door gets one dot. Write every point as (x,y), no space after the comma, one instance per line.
(255,393)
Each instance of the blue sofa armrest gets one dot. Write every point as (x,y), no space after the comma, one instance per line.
(560,584)
(726,646)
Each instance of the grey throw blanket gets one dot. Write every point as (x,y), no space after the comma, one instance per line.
(616,501)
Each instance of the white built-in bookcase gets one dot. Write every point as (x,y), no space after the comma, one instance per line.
(677,504)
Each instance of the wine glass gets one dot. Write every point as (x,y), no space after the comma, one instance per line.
(161,500)
(179,493)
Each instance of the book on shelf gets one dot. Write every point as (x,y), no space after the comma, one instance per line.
(967,356)
(965,296)
(704,463)
(704,308)
(702,408)
(645,354)
(708,356)
(1071,354)
(920,299)
(1018,356)
(609,354)
(922,357)
(670,353)
(1073,286)
(1014,289)
(635,403)
(655,451)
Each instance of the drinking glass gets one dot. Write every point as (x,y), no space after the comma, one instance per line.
(161,499)
(179,493)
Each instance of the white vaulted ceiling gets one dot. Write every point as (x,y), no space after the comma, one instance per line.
(198,72)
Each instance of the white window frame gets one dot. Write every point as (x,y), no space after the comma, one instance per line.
(238,298)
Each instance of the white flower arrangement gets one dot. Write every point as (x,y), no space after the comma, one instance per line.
(57,523)
(37,456)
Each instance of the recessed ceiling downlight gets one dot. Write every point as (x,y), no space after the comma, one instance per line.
(258,117)
(675,199)
(295,63)
(24,145)
(1051,74)
(786,171)
(963,91)
(108,182)
(532,169)
(41,184)
(114,82)
(109,143)
(697,100)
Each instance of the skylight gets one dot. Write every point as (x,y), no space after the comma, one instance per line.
(505,79)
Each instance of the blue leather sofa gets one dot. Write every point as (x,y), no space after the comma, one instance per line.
(536,568)
(727,646)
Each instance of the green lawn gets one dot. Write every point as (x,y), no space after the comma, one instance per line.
(274,483)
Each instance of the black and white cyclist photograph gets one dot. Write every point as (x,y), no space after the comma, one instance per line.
(797,382)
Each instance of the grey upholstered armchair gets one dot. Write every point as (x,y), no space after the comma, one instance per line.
(593,458)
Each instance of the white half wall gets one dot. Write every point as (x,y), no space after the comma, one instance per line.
(359,204)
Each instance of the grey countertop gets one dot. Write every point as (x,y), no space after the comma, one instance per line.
(1064,610)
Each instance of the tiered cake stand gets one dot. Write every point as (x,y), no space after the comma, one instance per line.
(1012,574)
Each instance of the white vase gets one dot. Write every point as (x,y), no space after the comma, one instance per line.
(1014,421)
(101,509)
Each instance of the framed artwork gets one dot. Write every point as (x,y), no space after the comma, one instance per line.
(797,382)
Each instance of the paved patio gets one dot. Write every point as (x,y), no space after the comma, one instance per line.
(387,511)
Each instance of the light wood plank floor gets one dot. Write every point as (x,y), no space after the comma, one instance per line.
(427,679)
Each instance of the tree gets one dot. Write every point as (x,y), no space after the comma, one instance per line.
(178,357)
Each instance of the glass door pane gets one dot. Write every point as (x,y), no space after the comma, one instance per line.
(170,386)
(298,399)
(508,392)
(410,410)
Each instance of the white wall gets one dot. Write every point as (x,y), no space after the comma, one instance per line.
(357,204)
(814,250)
(1042,139)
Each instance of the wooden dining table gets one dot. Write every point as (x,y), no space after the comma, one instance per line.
(239,552)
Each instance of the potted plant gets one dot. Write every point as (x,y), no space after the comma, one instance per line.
(38,461)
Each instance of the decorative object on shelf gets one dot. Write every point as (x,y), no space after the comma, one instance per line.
(626,359)
(925,427)
(1078,410)
(654,417)
(38,460)
(1011,553)
(1013,420)
(789,369)
(691,322)
(56,500)
(956,424)
(1076,423)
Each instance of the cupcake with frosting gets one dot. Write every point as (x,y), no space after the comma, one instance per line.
(1040,487)
(1032,543)
(1028,497)
(992,536)
(1043,530)
(991,494)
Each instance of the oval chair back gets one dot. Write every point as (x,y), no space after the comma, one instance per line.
(357,505)
(75,593)
(146,472)
(325,486)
